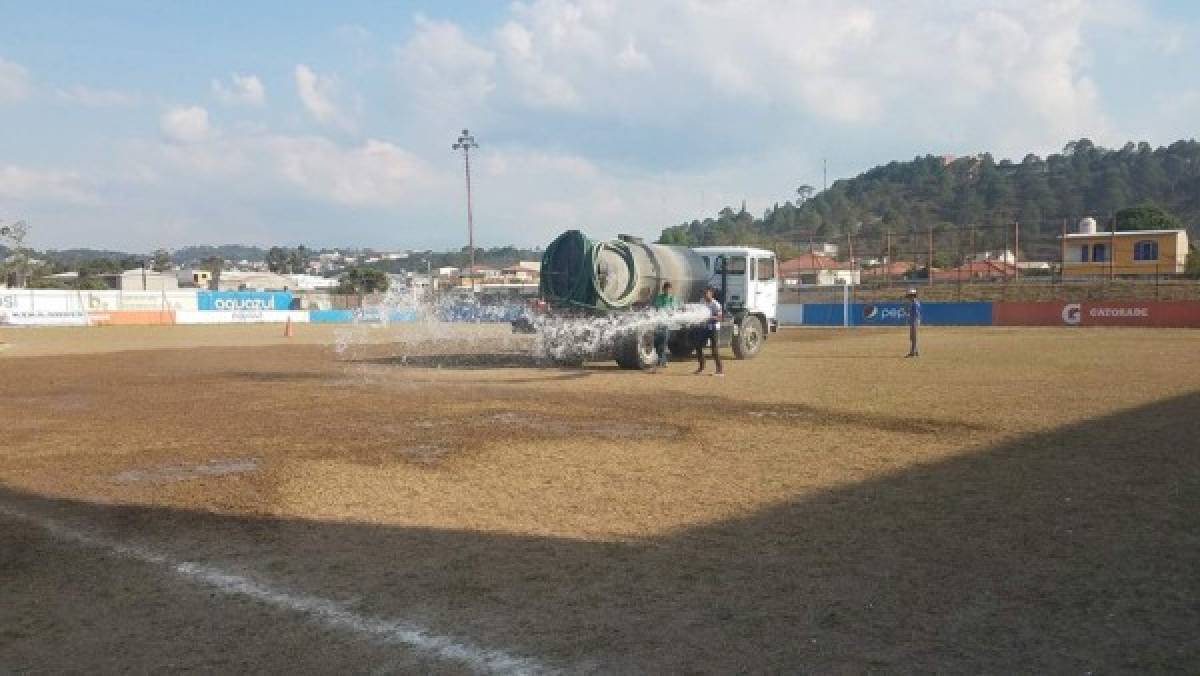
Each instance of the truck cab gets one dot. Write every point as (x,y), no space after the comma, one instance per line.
(746,280)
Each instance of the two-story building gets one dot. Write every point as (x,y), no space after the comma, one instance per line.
(1124,253)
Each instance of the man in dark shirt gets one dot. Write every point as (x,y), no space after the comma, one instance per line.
(710,331)
(914,323)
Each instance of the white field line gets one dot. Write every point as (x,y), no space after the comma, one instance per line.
(324,611)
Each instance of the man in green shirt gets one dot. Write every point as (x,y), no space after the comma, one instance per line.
(664,302)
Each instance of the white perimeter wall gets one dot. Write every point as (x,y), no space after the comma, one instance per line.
(790,314)
(28,307)
(240,316)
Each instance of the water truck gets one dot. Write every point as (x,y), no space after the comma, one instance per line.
(595,298)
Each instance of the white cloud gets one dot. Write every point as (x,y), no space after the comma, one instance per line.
(376,173)
(14,81)
(630,58)
(318,93)
(1004,69)
(245,90)
(98,98)
(186,124)
(23,184)
(528,195)
(440,68)
(371,174)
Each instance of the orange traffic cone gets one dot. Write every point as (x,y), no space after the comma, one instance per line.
(288,330)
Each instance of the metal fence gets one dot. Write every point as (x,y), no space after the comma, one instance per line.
(1026,289)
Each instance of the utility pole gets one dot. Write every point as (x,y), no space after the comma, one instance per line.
(930,267)
(1016,249)
(824,174)
(889,258)
(1062,253)
(1005,254)
(465,143)
(1112,243)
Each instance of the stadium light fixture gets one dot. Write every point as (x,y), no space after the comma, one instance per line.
(465,143)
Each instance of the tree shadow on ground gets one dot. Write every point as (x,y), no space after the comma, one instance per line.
(1073,550)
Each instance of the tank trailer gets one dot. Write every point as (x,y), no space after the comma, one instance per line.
(585,282)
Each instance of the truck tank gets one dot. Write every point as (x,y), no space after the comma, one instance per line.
(618,274)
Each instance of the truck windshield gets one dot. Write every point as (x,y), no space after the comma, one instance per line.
(733,265)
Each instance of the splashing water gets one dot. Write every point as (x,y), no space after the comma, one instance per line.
(412,326)
(595,337)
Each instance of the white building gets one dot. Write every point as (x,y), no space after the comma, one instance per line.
(1004,256)
(193,278)
(310,282)
(139,279)
(243,280)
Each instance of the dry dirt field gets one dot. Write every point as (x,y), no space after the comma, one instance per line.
(222,499)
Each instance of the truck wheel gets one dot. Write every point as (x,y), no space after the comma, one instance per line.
(750,337)
(637,351)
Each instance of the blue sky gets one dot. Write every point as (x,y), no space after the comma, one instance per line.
(143,124)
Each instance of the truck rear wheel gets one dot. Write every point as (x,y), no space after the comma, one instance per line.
(750,336)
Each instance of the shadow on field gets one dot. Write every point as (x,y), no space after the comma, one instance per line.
(1074,550)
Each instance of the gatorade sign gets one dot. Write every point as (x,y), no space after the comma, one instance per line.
(1183,314)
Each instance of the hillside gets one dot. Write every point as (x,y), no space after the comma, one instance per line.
(975,194)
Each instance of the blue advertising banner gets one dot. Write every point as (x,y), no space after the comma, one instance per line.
(371,315)
(896,314)
(822,314)
(331,316)
(244,300)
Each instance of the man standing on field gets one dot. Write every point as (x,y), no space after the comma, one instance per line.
(914,323)
(710,331)
(663,303)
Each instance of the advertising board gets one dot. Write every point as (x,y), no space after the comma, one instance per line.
(933,314)
(243,301)
(823,314)
(132,318)
(1183,314)
(896,314)
(240,316)
(108,301)
(38,307)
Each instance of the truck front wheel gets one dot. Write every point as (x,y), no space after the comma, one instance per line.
(750,336)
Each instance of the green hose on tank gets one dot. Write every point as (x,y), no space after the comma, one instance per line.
(624,299)
(583,290)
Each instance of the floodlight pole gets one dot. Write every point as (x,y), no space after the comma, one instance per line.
(465,143)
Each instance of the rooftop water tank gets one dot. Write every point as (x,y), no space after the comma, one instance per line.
(1087,226)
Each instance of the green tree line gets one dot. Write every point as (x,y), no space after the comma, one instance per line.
(978,192)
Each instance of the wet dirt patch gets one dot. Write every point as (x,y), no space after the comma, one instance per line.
(424,454)
(795,413)
(611,430)
(173,473)
(280,376)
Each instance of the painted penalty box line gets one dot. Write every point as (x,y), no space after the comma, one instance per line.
(324,611)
